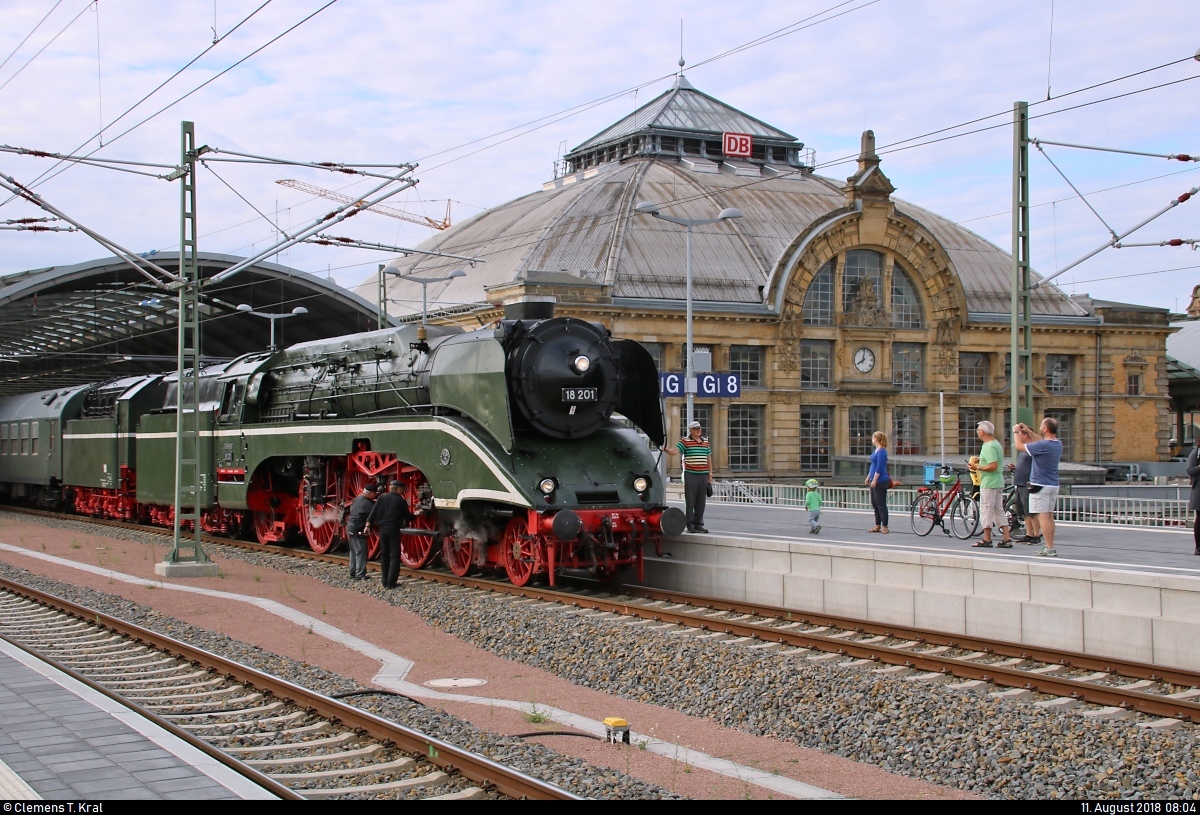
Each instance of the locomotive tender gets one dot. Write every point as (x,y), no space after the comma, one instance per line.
(505,436)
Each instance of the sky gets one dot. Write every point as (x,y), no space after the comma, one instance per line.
(485,97)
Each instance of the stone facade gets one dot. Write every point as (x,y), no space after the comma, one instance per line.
(845,310)
(1106,415)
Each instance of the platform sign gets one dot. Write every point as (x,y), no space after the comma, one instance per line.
(716,385)
(737,145)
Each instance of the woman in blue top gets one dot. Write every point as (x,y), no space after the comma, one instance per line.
(879,481)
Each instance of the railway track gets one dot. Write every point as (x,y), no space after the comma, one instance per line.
(296,742)
(1116,688)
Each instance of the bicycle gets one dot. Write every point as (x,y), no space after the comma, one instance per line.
(1011,512)
(931,507)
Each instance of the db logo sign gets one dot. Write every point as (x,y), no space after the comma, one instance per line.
(737,145)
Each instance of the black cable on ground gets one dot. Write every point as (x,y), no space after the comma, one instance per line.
(556,733)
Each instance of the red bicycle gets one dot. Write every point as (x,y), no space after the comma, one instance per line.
(933,506)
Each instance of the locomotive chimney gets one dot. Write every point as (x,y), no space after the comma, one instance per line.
(529,307)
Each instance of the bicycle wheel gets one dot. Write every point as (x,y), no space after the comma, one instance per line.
(964,518)
(924,514)
(1010,512)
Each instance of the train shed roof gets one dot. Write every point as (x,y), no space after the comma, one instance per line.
(69,325)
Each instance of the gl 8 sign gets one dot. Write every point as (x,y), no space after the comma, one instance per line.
(718,385)
(737,145)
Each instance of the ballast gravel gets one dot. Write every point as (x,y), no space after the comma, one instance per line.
(1000,749)
(530,758)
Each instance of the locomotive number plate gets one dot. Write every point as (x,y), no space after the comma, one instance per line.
(580,394)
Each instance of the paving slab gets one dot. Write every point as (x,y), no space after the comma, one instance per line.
(62,739)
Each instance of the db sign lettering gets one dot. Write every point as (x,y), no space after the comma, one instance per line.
(713,385)
(737,145)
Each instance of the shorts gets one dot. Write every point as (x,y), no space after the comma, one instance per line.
(991,508)
(1043,501)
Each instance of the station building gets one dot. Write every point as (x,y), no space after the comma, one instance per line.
(844,309)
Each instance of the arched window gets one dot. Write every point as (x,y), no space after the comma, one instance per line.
(906,303)
(862,280)
(818,300)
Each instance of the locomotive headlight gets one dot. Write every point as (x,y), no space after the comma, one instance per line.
(547,485)
(582,364)
(641,483)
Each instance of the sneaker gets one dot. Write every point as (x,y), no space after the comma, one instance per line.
(817,531)
(699,529)
(1029,539)
(1048,552)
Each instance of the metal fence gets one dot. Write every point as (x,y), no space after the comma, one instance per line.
(1079,508)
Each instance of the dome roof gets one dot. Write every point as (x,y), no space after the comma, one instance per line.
(584,224)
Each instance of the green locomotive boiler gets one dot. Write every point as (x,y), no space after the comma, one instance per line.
(505,436)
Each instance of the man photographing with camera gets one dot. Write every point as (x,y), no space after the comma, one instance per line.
(1046,451)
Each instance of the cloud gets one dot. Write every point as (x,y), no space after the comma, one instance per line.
(372,81)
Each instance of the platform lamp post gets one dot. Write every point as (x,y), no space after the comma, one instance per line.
(422,334)
(274,318)
(647,208)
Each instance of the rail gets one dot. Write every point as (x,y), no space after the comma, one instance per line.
(1139,512)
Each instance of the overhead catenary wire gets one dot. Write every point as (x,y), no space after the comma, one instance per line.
(1117,238)
(33,31)
(19,190)
(47,45)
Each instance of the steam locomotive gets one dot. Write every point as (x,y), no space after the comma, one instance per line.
(509,438)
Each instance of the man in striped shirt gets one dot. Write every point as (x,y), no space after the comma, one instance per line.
(697,474)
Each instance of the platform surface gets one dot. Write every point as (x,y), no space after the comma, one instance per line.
(66,741)
(1097,546)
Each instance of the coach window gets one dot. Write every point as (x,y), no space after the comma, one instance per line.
(24,438)
(3,440)
(232,403)
(33,438)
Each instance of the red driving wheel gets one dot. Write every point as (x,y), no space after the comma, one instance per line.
(521,553)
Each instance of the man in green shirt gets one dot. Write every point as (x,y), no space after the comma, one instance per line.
(991,486)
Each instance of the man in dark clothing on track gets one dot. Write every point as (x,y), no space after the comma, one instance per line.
(356,529)
(389,515)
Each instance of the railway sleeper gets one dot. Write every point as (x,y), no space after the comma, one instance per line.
(205,695)
(307,730)
(174,689)
(399,765)
(262,749)
(323,758)
(161,680)
(436,777)
(99,673)
(268,708)
(247,698)
(289,717)
(63,641)
(469,794)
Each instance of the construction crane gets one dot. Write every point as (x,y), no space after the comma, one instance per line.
(420,220)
